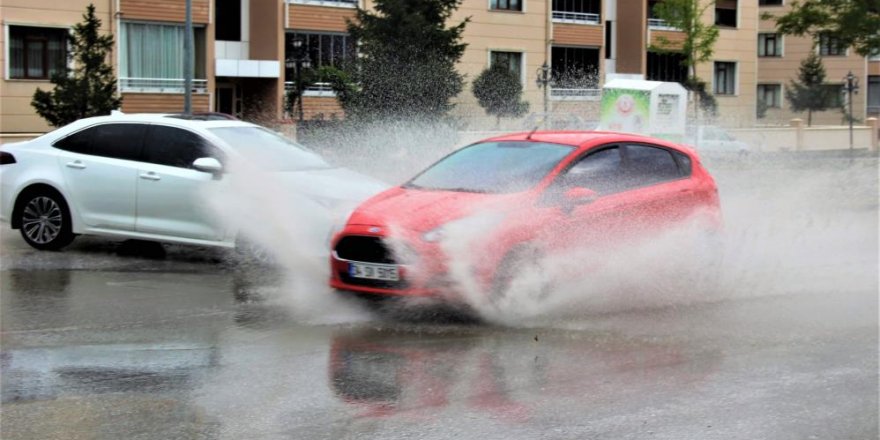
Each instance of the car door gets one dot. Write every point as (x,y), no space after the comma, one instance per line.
(658,186)
(595,223)
(171,194)
(99,165)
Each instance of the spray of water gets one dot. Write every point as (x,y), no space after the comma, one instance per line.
(791,226)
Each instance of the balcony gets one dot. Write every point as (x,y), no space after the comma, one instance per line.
(316,90)
(575,17)
(578,94)
(331,3)
(160,85)
(660,25)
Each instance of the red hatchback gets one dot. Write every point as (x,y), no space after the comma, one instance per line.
(534,194)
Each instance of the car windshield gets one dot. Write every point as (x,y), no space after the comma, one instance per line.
(494,167)
(269,150)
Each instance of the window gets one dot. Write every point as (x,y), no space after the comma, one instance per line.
(323,49)
(176,147)
(725,13)
(577,11)
(649,165)
(228,20)
(725,78)
(874,94)
(513,61)
(833,95)
(830,46)
(151,57)
(505,5)
(36,53)
(770,94)
(494,167)
(118,141)
(601,171)
(770,2)
(684,163)
(574,67)
(769,45)
(666,67)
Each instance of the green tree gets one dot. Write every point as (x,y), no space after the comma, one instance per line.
(499,92)
(406,66)
(808,92)
(697,46)
(89,89)
(338,80)
(854,23)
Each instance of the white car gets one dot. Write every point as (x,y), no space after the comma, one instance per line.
(145,177)
(716,140)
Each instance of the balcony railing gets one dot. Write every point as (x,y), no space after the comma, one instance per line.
(575,17)
(560,94)
(660,24)
(160,85)
(335,3)
(316,89)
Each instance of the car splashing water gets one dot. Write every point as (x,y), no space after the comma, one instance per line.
(792,224)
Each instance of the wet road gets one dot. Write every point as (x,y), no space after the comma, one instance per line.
(97,345)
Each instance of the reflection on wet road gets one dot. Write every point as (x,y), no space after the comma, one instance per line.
(101,346)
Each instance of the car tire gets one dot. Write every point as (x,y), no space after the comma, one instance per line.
(43,217)
(251,254)
(516,261)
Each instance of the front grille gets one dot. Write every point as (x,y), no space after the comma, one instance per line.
(365,249)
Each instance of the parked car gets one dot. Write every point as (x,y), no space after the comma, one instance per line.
(144,177)
(546,192)
(714,140)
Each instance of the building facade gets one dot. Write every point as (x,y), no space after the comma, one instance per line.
(243,52)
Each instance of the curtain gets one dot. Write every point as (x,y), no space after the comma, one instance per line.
(151,51)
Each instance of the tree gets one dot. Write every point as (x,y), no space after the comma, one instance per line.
(499,92)
(697,45)
(854,23)
(89,89)
(407,59)
(808,92)
(338,80)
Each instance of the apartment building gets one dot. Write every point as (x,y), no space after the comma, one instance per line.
(779,58)
(243,51)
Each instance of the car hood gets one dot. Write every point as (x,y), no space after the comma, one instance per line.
(422,210)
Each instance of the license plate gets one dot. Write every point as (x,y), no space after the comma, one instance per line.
(382,272)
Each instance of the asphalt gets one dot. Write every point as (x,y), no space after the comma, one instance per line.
(125,341)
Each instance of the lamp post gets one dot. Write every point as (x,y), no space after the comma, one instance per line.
(187,60)
(850,87)
(299,61)
(543,80)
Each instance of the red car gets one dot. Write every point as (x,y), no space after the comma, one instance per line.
(537,194)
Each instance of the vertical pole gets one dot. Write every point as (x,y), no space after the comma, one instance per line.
(849,87)
(188,60)
(299,86)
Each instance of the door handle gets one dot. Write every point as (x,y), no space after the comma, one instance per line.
(76,165)
(150,176)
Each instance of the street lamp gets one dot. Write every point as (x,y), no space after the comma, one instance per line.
(850,87)
(299,60)
(543,80)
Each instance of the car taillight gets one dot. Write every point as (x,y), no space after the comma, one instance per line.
(6,158)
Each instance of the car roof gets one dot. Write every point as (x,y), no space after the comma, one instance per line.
(165,119)
(582,138)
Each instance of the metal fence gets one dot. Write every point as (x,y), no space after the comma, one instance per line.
(160,85)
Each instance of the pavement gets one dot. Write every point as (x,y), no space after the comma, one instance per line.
(110,341)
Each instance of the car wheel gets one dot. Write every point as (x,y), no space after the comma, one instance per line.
(250,253)
(44,219)
(518,262)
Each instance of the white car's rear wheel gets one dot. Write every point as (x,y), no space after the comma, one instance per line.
(44,220)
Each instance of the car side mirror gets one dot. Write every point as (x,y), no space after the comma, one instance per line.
(580,196)
(208,165)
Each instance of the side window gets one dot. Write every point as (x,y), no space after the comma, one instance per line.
(649,165)
(176,147)
(79,142)
(600,171)
(119,141)
(684,163)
